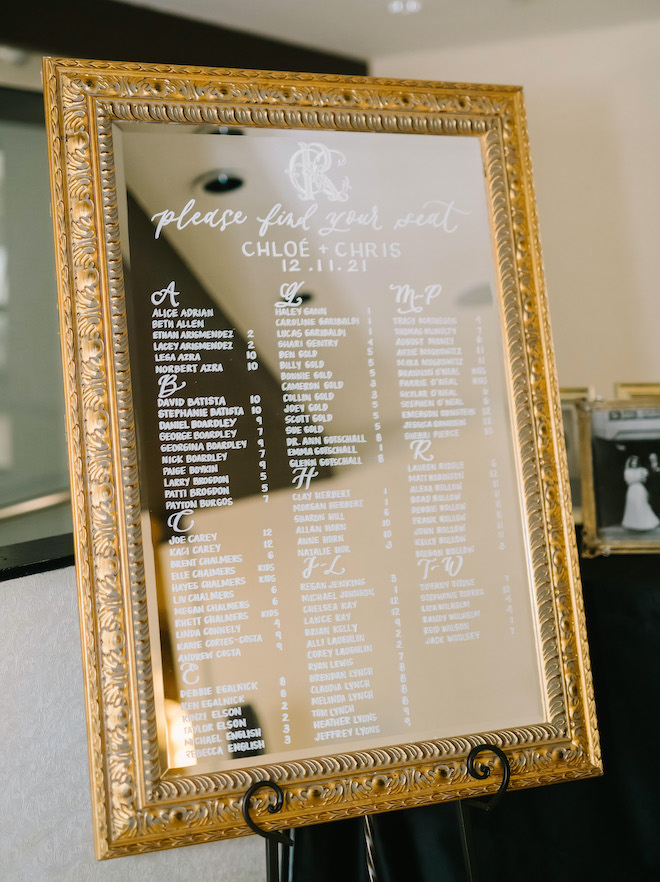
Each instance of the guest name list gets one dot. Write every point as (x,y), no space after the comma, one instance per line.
(341,556)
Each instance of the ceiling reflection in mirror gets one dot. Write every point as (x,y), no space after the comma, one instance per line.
(334,540)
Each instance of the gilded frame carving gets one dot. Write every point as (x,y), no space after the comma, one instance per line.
(136,808)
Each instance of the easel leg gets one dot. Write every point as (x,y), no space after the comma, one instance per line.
(273,839)
(463,806)
(272,867)
(467,841)
(371,849)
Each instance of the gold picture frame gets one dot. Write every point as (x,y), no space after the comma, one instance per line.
(620,440)
(520,677)
(570,397)
(636,390)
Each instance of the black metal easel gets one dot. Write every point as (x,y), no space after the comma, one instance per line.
(477,770)
(464,805)
(278,844)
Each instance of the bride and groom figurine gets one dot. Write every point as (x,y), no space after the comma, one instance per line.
(642,495)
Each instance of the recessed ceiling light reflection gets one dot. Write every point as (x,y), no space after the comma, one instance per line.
(218,182)
(404,7)
(219,130)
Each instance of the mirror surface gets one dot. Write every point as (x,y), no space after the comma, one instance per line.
(335,547)
(34,478)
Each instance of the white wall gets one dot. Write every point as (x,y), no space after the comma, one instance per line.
(594,123)
(45,813)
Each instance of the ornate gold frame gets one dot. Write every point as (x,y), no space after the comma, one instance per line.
(136,808)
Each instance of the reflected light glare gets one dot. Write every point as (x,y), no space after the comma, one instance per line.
(404,7)
(177,748)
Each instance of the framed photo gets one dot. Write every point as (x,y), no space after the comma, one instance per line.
(637,390)
(322,515)
(621,475)
(570,397)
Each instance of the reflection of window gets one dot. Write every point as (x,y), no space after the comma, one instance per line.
(4,279)
(5,418)
(33,459)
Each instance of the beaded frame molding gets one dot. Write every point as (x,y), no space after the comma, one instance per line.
(137,807)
